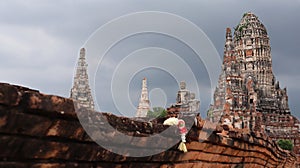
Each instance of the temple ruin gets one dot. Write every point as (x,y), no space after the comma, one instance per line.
(186,103)
(144,103)
(43,131)
(81,92)
(247,95)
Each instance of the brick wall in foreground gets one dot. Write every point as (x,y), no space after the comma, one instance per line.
(38,130)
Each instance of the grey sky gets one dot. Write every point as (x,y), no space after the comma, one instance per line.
(40,40)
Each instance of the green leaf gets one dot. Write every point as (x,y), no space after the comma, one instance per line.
(285,144)
(157,112)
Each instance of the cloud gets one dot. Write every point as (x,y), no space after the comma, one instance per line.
(30,55)
(40,40)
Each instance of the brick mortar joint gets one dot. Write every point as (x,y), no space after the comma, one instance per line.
(262,140)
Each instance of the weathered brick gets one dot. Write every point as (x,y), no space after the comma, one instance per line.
(34,134)
(9,95)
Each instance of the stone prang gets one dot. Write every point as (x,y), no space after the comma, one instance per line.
(144,103)
(81,92)
(248,95)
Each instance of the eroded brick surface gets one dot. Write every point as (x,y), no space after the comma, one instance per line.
(33,133)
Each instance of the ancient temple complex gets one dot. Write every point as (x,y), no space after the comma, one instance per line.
(144,103)
(247,95)
(81,91)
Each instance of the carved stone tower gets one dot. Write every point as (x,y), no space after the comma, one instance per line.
(253,51)
(247,95)
(144,104)
(81,92)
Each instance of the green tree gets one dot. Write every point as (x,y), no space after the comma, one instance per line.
(285,144)
(157,112)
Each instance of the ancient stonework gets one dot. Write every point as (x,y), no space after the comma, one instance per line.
(81,92)
(186,103)
(43,131)
(144,103)
(248,95)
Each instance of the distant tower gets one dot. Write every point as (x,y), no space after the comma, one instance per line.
(81,91)
(144,104)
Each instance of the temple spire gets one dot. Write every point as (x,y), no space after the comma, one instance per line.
(81,92)
(144,104)
(228,44)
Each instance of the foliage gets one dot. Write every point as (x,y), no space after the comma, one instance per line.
(285,144)
(235,28)
(241,27)
(209,112)
(157,112)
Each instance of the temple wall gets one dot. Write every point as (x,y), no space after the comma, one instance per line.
(38,130)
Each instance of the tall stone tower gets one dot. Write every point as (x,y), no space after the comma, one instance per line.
(81,91)
(247,94)
(144,104)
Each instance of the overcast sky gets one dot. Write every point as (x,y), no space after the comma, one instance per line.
(40,41)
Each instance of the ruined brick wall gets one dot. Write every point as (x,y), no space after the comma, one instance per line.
(38,130)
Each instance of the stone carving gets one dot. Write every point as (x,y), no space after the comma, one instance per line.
(183,95)
(185,102)
(194,103)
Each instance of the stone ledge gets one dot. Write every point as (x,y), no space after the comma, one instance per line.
(38,130)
